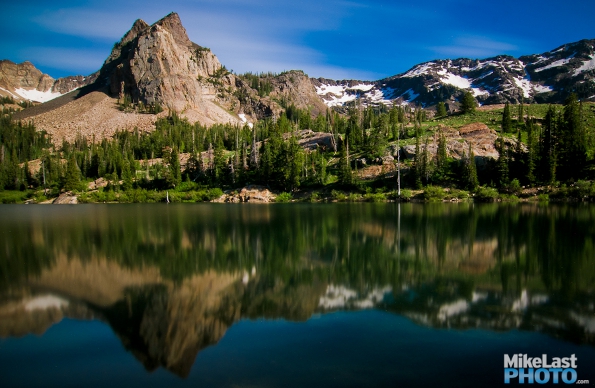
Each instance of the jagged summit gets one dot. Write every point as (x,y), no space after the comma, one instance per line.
(173,24)
(158,64)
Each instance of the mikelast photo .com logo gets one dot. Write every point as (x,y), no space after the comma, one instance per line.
(522,369)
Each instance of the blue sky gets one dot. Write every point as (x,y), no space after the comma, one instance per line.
(338,39)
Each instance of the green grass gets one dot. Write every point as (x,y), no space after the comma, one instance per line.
(11,196)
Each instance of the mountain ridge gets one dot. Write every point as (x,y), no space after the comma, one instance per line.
(158,64)
(543,78)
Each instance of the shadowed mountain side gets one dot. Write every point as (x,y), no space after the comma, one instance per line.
(56,103)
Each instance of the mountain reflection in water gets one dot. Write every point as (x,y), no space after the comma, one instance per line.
(170,280)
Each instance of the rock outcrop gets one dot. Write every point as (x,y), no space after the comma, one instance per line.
(481,138)
(250,193)
(67,198)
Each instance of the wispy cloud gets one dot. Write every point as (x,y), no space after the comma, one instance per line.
(241,33)
(85,23)
(80,61)
(474,47)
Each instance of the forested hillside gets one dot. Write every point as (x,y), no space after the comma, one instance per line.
(371,153)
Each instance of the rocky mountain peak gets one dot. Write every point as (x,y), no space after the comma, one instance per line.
(138,26)
(173,24)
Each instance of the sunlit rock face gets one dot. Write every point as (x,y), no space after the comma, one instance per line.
(159,64)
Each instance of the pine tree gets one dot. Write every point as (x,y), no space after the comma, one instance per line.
(72,177)
(345,174)
(425,163)
(468,103)
(572,140)
(127,181)
(503,173)
(531,152)
(470,171)
(417,170)
(506,119)
(441,159)
(441,109)
(547,152)
(519,158)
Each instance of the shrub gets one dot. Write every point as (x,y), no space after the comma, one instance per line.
(406,195)
(514,187)
(354,197)
(582,189)
(486,194)
(377,197)
(543,198)
(13,196)
(509,198)
(338,195)
(433,193)
(284,197)
(213,194)
(459,194)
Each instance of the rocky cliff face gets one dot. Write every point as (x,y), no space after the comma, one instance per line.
(23,81)
(158,64)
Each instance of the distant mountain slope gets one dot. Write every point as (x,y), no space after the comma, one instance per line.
(545,78)
(23,82)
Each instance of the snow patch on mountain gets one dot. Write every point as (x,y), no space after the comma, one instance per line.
(418,70)
(461,83)
(529,88)
(242,117)
(557,63)
(37,95)
(338,95)
(9,92)
(587,65)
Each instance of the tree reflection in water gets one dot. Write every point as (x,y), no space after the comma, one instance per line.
(170,280)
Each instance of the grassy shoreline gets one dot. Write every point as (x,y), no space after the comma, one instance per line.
(580,191)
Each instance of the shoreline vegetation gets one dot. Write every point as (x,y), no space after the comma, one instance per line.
(581,191)
(543,153)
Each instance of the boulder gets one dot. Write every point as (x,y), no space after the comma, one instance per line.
(248,194)
(67,198)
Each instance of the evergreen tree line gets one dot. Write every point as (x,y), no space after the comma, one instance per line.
(226,155)
(555,151)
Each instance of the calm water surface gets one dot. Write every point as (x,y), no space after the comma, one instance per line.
(292,295)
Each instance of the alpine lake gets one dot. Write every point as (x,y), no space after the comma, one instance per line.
(293,295)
